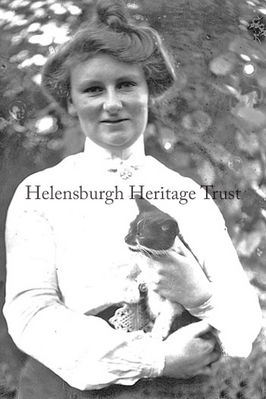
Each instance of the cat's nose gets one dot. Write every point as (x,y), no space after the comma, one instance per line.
(129,240)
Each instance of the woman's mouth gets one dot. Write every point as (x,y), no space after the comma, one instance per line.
(114,121)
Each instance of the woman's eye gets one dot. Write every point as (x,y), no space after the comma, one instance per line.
(126,84)
(93,89)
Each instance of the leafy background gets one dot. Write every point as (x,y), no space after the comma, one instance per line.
(210,126)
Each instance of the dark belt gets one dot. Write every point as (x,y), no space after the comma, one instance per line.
(181,321)
(109,312)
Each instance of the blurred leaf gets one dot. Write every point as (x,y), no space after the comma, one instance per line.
(206,172)
(249,143)
(223,64)
(198,121)
(250,241)
(253,118)
(252,171)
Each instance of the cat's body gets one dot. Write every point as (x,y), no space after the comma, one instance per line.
(153,234)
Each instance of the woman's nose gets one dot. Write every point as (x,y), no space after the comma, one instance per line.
(112,102)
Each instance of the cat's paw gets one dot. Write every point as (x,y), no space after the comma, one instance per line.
(165,318)
(160,332)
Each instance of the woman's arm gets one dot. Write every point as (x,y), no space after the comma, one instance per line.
(222,296)
(233,308)
(84,350)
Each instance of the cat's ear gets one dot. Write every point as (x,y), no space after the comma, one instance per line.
(143,204)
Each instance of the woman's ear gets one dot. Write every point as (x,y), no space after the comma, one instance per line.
(71,108)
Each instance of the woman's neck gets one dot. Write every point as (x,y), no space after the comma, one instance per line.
(136,149)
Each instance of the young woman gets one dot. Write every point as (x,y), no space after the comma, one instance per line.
(66,256)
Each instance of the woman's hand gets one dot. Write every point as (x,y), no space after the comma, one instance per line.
(188,354)
(179,278)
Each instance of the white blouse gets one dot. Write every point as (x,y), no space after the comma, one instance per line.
(67,261)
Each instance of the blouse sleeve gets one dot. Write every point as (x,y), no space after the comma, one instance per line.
(234,307)
(83,350)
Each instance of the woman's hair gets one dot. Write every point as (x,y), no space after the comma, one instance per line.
(110,31)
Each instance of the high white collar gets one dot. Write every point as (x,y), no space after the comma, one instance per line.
(133,155)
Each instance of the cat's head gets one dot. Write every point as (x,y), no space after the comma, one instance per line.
(152,229)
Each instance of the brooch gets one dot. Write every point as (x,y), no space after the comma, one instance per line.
(125,173)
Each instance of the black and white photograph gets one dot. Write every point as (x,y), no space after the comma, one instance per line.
(133,199)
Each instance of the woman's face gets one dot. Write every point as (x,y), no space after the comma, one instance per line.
(110,99)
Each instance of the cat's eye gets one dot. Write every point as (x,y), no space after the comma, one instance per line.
(138,227)
(165,227)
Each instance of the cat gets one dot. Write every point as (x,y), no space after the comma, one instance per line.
(153,233)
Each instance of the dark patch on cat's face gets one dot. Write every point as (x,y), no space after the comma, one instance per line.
(152,228)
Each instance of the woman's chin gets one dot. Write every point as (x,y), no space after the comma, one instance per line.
(118,143)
